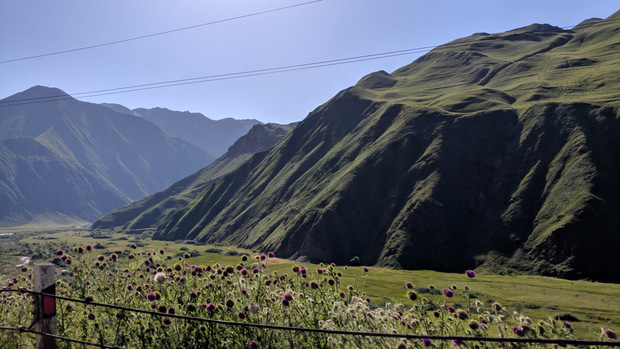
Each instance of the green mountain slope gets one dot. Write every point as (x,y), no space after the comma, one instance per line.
(124,156)
(495,150)
(153,210)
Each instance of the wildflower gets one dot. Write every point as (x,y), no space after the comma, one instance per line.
(68,261)
(130,287)
(287,297)
(412,296)
(271,255)
(496,306)
(427,342)
(166,321)
(253,308)
(59,252)
(314,285)
(342,294)
(610,334)
(409,285)
(244,271)
(518,331)
(255,270)
(470,273)
(451,309)
(133,246)
(89,248)
(366,269)
(457,342)
(448,292)
(474,325)
(568,325)
(319,270)
(151,296)
(211,307)
(253,345)
(230,303)
(160,278)
(91,316)
(241,315)
(462,314)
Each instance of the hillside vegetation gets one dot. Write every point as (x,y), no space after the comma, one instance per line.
(496,151)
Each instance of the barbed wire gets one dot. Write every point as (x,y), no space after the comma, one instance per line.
(547,341)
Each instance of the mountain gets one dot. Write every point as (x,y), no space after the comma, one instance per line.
(151,211)
(496,151)
(213,136)
(81,160)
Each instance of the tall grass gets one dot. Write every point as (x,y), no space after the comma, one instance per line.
(250,292)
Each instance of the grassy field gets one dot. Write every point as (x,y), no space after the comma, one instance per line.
(595,305)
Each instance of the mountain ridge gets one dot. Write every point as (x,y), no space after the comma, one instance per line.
(117,153)
(496,151)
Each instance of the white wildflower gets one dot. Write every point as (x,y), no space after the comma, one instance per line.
(160,278)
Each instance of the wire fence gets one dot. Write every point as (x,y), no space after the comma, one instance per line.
(515,340)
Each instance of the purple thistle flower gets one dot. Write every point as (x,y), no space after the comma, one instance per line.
(287,297)
(255,270)
(518,331)
(211,307)
(89,247)
(319,270)
(91,316)
(166,321)
(253,345)
(568,325)
(611,334)
(59,252)
(244,271)
(150,296)
(263,256)
(448,292)
(470,273)
(271,255)
(426,341)
(366,269)
(457,342)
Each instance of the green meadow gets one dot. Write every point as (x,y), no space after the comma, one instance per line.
(589,306)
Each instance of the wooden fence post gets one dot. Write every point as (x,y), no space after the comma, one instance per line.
(45,307)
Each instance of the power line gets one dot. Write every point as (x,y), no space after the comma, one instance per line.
(210,78)
(158,33)
(256,72)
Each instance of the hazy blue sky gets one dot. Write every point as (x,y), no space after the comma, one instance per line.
(318,31)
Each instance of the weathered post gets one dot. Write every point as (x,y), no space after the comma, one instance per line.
(45,307)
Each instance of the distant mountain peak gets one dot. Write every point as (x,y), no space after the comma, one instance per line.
(39,93)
